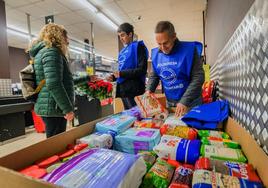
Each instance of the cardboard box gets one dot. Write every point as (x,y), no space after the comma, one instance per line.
(9,178)
(118,105)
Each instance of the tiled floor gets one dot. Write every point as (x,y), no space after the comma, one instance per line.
(30,138)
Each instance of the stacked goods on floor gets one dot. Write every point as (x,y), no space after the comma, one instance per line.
(145,147)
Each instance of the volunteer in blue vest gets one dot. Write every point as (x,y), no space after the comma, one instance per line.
(177,64)
(132,71)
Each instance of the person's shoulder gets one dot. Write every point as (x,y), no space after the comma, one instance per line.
(51,51)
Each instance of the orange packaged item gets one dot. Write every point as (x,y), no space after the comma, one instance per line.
(179,131)
(149,123)
(150,106)
(44,163)
(34,171)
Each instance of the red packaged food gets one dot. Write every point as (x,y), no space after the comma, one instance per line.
(33,167)
(183,176)
(47,162)
(65,154)
(34,171)
(70,146)
(173,162)
(240,170)
(80,147)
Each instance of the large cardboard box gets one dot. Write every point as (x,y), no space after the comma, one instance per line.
(9,178)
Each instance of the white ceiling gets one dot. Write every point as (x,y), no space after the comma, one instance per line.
(186,15)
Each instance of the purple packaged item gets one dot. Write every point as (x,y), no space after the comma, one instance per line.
(100,168)
(135,112)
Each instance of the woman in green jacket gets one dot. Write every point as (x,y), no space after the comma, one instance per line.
(55,102)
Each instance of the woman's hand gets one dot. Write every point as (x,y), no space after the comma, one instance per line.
(69,116)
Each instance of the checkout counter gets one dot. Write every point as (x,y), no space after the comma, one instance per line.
(15,114)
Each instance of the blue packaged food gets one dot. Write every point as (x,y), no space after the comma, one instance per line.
(117,123)
(179,149)
(137,139)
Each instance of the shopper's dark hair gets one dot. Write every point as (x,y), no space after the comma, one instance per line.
(165,26)
(126,27)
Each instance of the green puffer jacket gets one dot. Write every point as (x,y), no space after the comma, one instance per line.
(56,98)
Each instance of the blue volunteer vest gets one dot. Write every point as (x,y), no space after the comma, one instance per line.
(128,58)
(174,69)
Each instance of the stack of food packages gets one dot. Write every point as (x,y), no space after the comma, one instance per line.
(174,155)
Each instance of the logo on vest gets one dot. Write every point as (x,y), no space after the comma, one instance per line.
(122,57)
(168,75)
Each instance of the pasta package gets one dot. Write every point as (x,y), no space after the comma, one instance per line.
(159,176)
(149,123)
(150,106)
(180,131)
(183,176)
(226,154)
(205,178)
(240,170)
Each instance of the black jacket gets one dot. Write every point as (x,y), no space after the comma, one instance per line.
(133,84)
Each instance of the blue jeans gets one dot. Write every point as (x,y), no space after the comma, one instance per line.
(196,102)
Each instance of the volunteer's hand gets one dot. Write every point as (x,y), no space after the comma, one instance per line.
(181,110)
(94,78)
(116,74)
(110,78)
(69,116)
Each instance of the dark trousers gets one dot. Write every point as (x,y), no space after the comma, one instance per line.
(128,102)
(54,125)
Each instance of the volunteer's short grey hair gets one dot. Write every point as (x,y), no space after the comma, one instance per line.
(165,26)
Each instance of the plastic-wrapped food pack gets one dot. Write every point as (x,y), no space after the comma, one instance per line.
(207,179)
(220,142)
(97,140)
(149,158)
(180,131)
(100,168)
(135,112)
(226,154)
(116,124)
(150,106)
(173,120)
(240,170)
(179,149)
(149,123)
(159,176)
(210,133)
(134,140)
(182,177)
(34,171)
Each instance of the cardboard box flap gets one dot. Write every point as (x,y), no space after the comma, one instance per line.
(255,154)
(46,148)
(10,179)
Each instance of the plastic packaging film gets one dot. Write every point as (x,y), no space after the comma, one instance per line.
(94,168)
